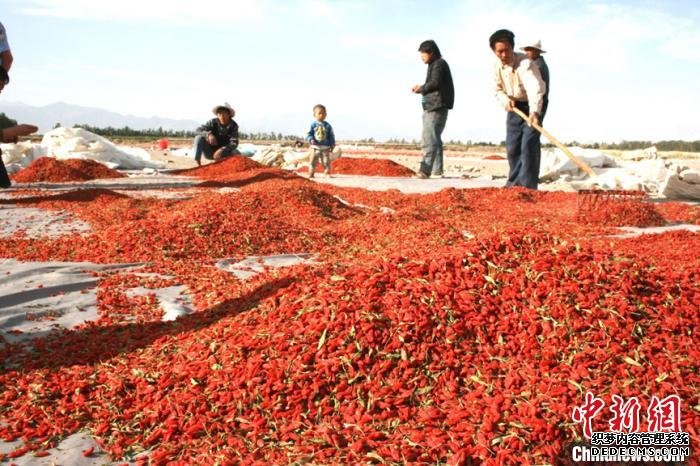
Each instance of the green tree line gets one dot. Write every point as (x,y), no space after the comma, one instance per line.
(682,146)
(154,133)
(126,131)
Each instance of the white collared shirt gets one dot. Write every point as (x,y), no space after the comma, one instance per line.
(520,81)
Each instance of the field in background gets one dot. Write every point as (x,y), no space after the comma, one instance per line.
(378,149)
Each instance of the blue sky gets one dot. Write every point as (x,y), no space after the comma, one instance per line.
(620,70)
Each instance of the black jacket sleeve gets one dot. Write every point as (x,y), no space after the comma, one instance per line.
(233,136)
(436,71)
(207,127)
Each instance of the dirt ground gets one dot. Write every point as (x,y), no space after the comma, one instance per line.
(476,162)
(456,163)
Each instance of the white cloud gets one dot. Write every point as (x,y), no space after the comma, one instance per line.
(320,10)
(619,70)
(174,11)
(394,48)
(682,41)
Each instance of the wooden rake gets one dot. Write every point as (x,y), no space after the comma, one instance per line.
(581,164)
(591,201)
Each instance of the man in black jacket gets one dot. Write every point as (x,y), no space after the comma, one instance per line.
(438,97)
(219,136)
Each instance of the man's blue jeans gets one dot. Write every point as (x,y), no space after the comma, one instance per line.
(433,125)
(524,151)
(202,147)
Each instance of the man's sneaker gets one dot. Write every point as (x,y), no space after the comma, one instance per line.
(420,175)
(437,175)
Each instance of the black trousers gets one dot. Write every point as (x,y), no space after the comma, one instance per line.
(4,178)
(523,149)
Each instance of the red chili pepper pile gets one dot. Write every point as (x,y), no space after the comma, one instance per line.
(364,166)
(673,247)
(678,212)
(634,211)
(456,326)
(219,168)
(54,170)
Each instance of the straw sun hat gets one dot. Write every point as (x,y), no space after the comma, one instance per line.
(536,45)
(225,105)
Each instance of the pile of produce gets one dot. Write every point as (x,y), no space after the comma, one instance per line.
(618,208)
(218,168)
(49,169)
(364,166)
(460,327)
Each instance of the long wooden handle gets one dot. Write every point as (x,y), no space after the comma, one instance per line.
(582,165)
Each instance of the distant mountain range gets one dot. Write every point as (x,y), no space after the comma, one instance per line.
(290,123)
(68,115)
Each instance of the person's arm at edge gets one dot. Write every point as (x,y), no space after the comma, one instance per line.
(12,133)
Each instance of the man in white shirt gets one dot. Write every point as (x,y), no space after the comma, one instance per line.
(518,84)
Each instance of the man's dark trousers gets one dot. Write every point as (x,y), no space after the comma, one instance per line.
(4,178)
(523,149)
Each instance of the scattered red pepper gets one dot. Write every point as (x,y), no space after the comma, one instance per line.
(364,166)
(54,170)
(456,327)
